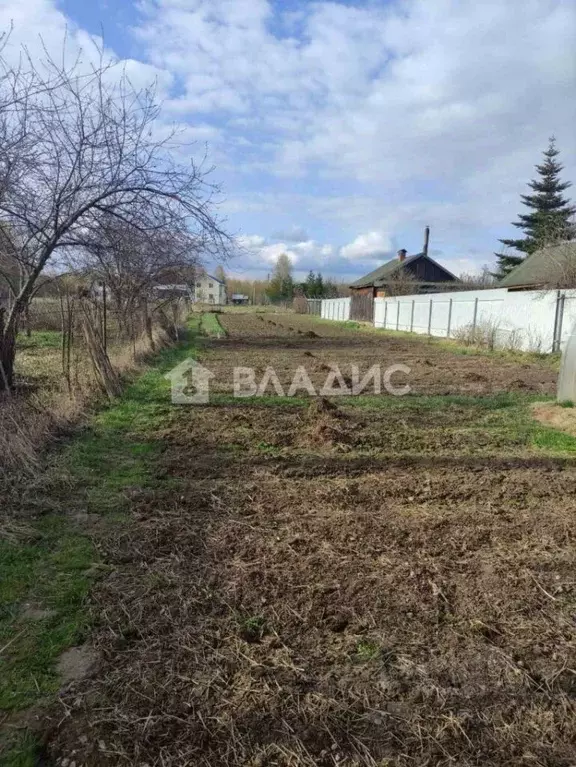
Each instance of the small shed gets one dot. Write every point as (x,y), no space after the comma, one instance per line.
(239,299)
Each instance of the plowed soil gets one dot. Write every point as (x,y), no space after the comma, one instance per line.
(285,342)
(381,584)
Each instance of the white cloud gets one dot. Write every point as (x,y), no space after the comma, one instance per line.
(257,252)
(427,92)
(373,245)
(251,242)
(373,119)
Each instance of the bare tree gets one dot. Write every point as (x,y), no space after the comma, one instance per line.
(79,145)
(402,283)
(482,281)
(132,259)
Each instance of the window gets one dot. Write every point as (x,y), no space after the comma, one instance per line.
(198,284)
(210,285)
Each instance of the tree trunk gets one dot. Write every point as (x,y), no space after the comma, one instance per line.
(7,353)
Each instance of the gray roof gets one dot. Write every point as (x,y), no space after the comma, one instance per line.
(389,270)
(552,265)
(210,277)
(384,272)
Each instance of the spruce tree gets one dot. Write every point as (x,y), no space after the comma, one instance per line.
(311,285)
(550,214)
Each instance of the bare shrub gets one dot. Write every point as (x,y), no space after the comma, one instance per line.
(300,305)
(483,334)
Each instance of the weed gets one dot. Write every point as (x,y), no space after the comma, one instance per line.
(253,628)
(367,650)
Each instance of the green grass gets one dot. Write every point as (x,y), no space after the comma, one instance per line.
(40,339)
(211,325)
(52,574)
(53,568)
(24,751)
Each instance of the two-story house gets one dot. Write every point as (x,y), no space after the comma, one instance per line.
(209,290)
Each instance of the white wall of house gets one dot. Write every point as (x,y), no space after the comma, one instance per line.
(209,290)
(335,308)
(523,320)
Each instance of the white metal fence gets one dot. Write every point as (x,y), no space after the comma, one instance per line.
(527,320)
(335,308)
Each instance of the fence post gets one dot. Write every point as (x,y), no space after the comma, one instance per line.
(397,315)
(558,320)
(385,313)
(449,318)
(475,316)
(430,318)
(412,316)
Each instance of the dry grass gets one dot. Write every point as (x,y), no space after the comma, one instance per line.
(42,407)
(285,597)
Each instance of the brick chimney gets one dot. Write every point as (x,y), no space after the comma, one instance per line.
(402,255)
(426,240)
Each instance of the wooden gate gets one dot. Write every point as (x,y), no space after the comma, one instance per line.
(362,307)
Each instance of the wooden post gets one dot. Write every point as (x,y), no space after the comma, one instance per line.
(449,319)
(397,314)
(385,313)
(412,316)
(430,318)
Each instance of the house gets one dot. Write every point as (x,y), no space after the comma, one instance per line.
(551,267)
(239,299)
(172,291)
(405,274)
(209,290)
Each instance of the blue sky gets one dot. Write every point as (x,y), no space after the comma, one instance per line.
(340,129)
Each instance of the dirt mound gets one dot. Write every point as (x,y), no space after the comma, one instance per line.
(321,406)
(325,431)
(472,375)
(327,425)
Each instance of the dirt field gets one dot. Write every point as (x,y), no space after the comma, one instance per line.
(388,582)
(286,341)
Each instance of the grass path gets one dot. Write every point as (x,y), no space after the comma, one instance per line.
(49,563)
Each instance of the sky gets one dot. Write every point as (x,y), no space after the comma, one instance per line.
(339,130)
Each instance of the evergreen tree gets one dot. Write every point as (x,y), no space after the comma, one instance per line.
(310,285)
(220,274)
(550,214)
(319,286)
